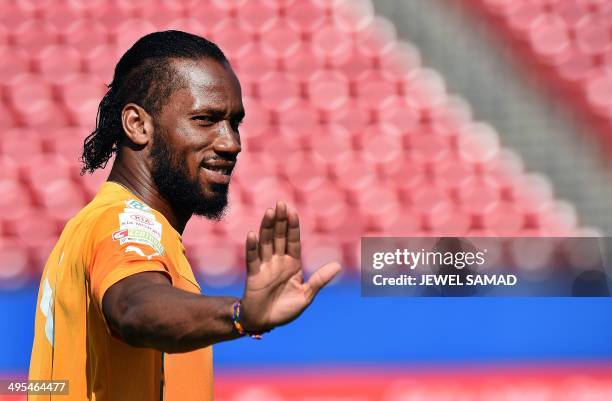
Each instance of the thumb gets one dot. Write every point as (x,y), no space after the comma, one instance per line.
(320,278)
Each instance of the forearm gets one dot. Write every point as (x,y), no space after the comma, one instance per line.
(177,321)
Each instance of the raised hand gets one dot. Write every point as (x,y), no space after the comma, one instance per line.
(275,292)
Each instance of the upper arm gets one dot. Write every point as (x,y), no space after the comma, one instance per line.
(123,248)
(128,294)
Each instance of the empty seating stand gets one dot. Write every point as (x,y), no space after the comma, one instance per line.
(343,122)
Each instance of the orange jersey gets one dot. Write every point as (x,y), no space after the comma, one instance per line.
(116,235)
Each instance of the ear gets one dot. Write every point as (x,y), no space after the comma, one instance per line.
(137,124)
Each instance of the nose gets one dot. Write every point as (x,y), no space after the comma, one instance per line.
(228,140)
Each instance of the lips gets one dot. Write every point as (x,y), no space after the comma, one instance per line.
(218,172)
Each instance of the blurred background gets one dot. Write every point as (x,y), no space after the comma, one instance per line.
(381,118)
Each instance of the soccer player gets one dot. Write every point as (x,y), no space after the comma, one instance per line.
(119,312)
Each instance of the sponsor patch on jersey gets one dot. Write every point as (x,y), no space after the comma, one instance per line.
(136,235)
(145,222)
(134,204)
(135,249)
(117,235)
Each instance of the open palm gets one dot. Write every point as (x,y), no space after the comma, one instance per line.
(275,291)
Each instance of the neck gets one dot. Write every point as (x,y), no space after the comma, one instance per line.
(139,181)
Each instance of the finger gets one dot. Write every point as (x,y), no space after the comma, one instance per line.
(266,235)
(280,229)
(252,253)
(320,278)
(294,248)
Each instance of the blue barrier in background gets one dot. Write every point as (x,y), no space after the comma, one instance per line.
(342,328)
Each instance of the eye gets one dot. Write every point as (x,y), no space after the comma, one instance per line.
(205,120)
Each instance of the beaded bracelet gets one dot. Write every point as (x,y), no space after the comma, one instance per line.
(238,326)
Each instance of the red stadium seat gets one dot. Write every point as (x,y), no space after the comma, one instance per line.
(302,64)
(549,35)
(20,143)
(219,268)
(33,36)
(81,97)
(279,41)
(37,232)
(353,174)
(376,38)
(298,123)
(232,38)
(32,99)
(328,90)
(477,194)
(11,15)
(352,16)
(429,148)
(446,219)
(327,207)
(399,60)
(305,16)
(40,170)
(304,174)
(379,205)
(277,91)
(14,261)
(189,24)
(478,143)
(130,30)
(374,89)
(7,119)
(384,148)
(68,143)
(331,144)
(85,35)
(101,60)
(61,199)
(251,64)
(503,219)
(329,44)
(256,17)
(58,64)
(61,13)
(318,251)
(91,182)
(14,202)
(424,88)
(593,34)
(14,64)
(256,125)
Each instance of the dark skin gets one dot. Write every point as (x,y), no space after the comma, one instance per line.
(145,310)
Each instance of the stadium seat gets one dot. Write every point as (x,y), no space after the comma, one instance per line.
(58,64)
(14,63)
(15,202)
(305,16)
(85,35)
(14,261)
(277,91)
(328,90)
(565,44)
(80,97)
(279,41)
(32,99)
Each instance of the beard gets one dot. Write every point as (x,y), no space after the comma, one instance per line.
(171,176)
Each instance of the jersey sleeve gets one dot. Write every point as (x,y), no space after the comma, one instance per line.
(126,241)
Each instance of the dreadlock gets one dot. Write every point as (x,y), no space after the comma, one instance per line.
(144,75)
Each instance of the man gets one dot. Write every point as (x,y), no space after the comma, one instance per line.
(119,312)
